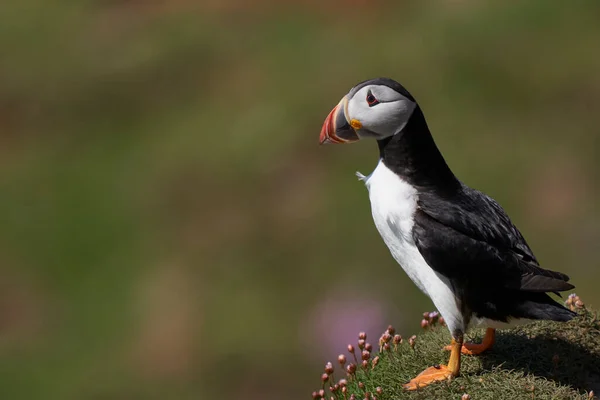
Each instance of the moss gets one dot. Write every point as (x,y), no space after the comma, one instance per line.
(542,360)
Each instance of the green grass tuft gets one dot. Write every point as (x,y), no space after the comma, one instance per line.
(541,360)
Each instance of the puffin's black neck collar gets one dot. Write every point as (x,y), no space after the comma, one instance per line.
(413,155)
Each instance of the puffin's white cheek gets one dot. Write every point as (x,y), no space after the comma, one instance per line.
(383,123)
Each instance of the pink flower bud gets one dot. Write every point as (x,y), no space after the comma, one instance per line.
(328,368)
(412,341)
(375,362)
(362,336)
(351,368)
(433,316)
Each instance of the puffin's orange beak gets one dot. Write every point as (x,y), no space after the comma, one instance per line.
(336,128)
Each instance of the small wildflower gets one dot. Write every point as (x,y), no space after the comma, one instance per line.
(344,390)
(375,362)
(424,324)
(362,336)
(386,347)
(342,359)
(365,364)
(397,339)
(391,330)
(579,304)
(379,390)
(412,341)
(329,368)
(465,397)
(315,395)
(387,337)
(361,344)
(343,382)
(365,355)
(321,393)
(336,387)
(433,316)
(368,396)
(324,377)
(361,385)
(368,347)
(352,397)
(351,351)
(351,368)
(426,315)
(442,321)
(571,301)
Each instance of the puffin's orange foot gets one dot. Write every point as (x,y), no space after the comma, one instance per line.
(430,375)
(471,349)
(474,348)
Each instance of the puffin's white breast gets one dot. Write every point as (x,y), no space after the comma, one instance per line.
(393,205)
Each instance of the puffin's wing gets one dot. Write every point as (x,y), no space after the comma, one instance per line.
(478,216)
(460,256)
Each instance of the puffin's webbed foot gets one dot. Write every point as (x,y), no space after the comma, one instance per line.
(439,372)
(430,375)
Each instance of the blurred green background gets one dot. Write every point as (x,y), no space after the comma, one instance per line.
(170,228)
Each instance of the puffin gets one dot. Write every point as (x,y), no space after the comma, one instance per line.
(454,242)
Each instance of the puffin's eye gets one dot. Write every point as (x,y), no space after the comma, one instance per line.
(371,100)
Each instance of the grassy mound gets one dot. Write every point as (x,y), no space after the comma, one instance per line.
(542,360)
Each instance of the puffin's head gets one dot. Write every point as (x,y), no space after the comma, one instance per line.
(376,108)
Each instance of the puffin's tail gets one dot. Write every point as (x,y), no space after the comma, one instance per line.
(542,306)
